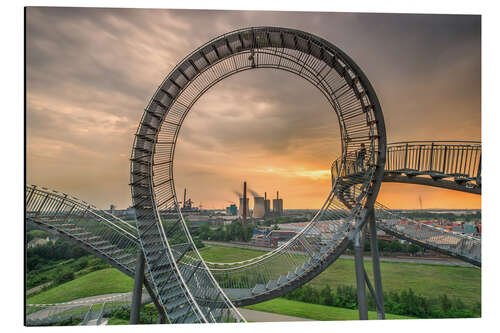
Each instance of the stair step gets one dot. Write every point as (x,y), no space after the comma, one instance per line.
(179,313)
(123,256)
(258,289)
(173,293)
(272,284)
(176,303)
(190,319)
(167,278)
(98,243)
(128,262)
(81,235)
(106,247)
(299,270)
(282,280)
(113,252)
(291,275)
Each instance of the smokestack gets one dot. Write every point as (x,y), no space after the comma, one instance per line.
(277,195)
(244,203)
(184,203)
(267,205)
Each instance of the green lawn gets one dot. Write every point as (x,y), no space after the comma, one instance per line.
(215,253)
(117,321)
(313,311)
(425,279)
(105,281)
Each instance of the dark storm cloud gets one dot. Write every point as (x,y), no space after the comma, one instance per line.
(91,72)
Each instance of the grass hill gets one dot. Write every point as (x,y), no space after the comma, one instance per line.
(105,281)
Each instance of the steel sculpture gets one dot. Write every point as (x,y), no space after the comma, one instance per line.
(96,231)
(360,119)
(185,287)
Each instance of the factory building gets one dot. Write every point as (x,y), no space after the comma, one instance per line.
(232,210)
(259,207)
(277,206)
(240,210)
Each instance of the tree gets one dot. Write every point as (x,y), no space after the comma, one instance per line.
(413,249)
(30,235)
(326,297)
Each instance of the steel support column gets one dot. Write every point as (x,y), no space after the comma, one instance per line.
(377,276)
(135,309)
(360,276)
(161,314)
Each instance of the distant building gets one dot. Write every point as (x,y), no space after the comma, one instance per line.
(280,236)
(262,240)
(232,210)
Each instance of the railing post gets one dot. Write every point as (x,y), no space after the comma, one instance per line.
(478,173)
(388,164)
(31,195)
(444,159)
(135,309)
(430,158)
(406,156)
(419,155)
(42,204)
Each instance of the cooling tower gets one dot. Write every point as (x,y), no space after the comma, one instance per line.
(277,206)
(259,208)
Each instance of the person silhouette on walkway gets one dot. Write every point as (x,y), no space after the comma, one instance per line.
(360,158)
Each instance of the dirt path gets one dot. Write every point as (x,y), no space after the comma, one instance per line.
(35,289)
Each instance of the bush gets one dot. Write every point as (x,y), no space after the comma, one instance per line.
(148,314)
(65,277)
(406,302)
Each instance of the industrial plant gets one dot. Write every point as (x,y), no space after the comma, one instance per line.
(261,205)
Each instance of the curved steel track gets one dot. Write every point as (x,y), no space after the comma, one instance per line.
(352,99)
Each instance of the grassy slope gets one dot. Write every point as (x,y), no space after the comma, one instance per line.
(312,311)
(105,281)
(428,280)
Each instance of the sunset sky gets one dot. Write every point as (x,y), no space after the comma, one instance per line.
(91,72)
